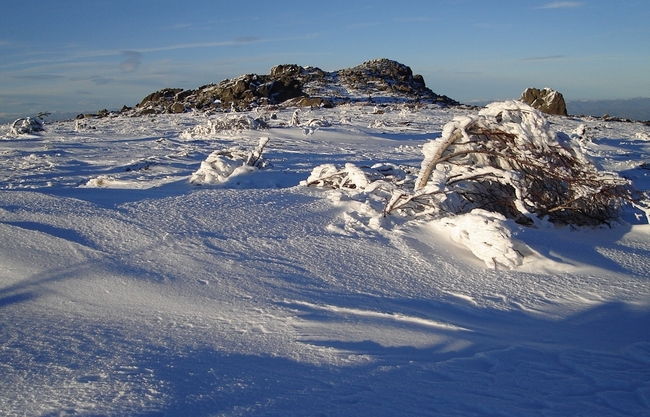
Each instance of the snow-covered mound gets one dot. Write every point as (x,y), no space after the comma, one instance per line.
(125,289)
(222,165)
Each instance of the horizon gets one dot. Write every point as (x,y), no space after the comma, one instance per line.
(80,57)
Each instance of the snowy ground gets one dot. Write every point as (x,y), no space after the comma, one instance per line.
(125,290)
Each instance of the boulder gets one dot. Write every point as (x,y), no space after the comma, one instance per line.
(166,94)
(285,71)
(177,108)
(546,100)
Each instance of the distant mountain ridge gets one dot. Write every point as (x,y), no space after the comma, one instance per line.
(634,108)
(379,80)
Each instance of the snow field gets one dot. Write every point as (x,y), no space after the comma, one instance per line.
(142,294)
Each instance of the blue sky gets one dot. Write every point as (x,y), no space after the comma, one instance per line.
(82,56)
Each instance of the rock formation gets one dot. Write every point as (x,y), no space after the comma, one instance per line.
(379,80)
(546,100)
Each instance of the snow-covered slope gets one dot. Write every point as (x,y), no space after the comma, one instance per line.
(127,290)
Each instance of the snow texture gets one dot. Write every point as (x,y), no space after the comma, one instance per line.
(127,290)
(486,235)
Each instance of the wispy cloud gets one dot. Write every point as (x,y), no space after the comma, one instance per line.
(238,41)
(413,19)
(561,5)
(543,58)
(181,26)
(131,61)
(247,39)
(96,79)
(188,27)
(364,25)
(38,77)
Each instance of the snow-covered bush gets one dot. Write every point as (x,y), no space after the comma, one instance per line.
(230,122)
(356,178)
(508,160)
(505,163)
(26,125)
(318,123)
(223,164)
(295,118)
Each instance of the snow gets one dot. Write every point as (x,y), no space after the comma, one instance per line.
(486,235)
(125,289)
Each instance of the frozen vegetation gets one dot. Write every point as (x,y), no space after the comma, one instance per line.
(326,262)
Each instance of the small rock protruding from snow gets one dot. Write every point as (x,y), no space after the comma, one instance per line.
(545,100)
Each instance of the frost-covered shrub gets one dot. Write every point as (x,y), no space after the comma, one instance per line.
(508,160)
(26,125)
(231,122)
(318,123)
(295,118)
(223,164)
(505,163)
(356,178)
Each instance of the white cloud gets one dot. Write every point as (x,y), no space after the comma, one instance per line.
(561,5)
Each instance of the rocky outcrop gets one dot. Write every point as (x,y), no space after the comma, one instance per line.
(546,100)
(383,76)
(292,85)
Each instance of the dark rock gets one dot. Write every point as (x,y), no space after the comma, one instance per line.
(289,89)
(308,102)
(87,116)
(166,94)
(546,100)
(419,80)
(177,108)
(181,96)
(240,86)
